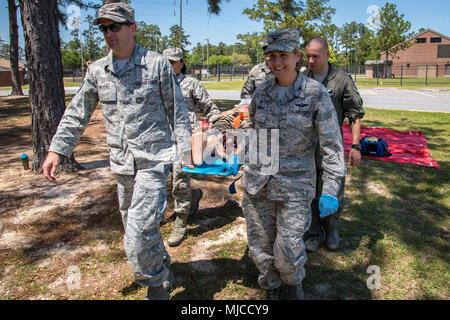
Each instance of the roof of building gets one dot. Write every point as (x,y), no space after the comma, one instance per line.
(429,30)
(5,65)
(418,36)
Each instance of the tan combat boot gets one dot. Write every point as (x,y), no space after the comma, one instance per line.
(179,230)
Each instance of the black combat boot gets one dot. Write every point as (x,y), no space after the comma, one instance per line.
(272,294)
(332,240)
(313,241)
(295,292)
(157,293)
(196,195)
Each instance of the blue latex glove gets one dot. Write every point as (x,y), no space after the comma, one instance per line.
(328,204)
(233,164)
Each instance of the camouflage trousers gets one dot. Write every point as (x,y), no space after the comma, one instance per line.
(275,238)
(317,222)
(181,189)
(142,204)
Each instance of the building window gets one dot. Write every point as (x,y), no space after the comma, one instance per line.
(435,40)
(443,51)
(408,65)
(421,40)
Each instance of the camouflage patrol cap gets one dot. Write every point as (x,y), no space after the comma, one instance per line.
(283,40)
(173,54)
(118,12)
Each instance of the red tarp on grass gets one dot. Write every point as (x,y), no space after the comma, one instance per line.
(406,147)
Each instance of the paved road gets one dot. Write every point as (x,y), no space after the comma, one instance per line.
(413,100)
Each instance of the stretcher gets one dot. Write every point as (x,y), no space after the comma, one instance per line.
(219,168)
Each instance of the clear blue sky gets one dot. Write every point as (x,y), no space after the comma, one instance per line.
(200,25)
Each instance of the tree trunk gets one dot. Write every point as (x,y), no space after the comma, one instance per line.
(47,99)
(14,49)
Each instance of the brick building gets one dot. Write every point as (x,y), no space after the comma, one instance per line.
(5,73)
(428,56)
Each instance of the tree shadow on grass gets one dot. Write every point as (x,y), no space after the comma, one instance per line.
(238,279)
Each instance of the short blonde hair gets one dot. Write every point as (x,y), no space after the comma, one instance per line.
(299,64)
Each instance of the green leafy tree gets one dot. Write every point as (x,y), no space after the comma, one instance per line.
(214,6)
(350,33)
(251,44)
(71,59)
(4,49)
(82,4)
(241,59)
(193,60)
(367,47)
(220,60)
(148,36)
(174,38)
(305,16)
(332,34)
(200,50)
(92,49)
(392,31)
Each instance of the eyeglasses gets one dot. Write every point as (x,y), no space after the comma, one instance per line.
(113,27)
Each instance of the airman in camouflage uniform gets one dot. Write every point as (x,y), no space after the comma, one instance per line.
(200,105)
(147,124)
(277,205)
(256,76)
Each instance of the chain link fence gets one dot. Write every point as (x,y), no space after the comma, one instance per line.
(219,73)
(376,74)
(74,75)
(381,74)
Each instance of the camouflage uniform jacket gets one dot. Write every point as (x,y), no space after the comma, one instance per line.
(145,115)
(256,76)
(197,99)
(343,93)
(305,117)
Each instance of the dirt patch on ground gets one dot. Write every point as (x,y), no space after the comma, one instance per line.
(64,240)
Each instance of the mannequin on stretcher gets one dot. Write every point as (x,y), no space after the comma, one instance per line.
(216,147)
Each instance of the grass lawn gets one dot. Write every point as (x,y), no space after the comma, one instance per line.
(224,85)
(407,83)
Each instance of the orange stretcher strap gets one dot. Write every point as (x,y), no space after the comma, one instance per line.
(238,118)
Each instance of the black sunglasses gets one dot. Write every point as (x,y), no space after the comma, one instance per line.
(113,27)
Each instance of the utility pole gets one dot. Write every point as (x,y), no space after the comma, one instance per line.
(207,54)
(181,22)
(234,58)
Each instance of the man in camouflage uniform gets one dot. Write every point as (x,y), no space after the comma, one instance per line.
(348,104)
(256,76)
(147,124)
(277,203)
(200,105)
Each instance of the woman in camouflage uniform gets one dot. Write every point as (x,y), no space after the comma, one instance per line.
(276,202)
(198,102)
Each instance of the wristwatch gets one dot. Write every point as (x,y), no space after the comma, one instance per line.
(356,146)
